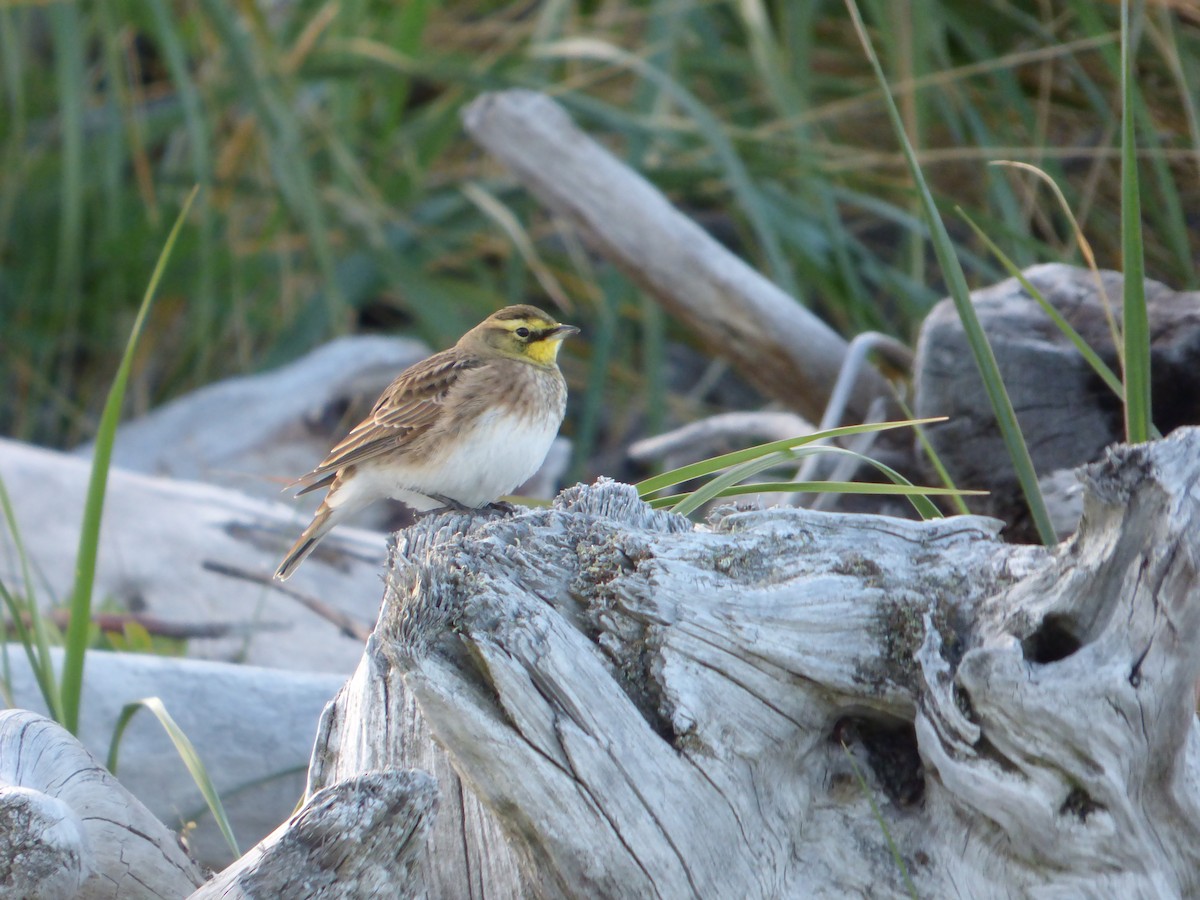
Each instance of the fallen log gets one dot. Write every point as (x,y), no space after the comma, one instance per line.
(775,343)
(69,830)
(251,727)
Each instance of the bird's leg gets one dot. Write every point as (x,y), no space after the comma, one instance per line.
(498,507)
(449,504)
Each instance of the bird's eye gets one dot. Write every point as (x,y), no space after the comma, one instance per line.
(522,332)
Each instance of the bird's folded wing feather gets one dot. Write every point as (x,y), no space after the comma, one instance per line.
(406,410)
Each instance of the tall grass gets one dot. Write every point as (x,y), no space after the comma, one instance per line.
(71,686)
(327,139)
(63,695)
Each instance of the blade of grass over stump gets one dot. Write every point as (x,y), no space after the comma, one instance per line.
(1136,322)
(825,487)
(960,505)
(89,533)
(717,463)
(866,792)
(187,754)
(1085,247)
(956,281)
(730,483)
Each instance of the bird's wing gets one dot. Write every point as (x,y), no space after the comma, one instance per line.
(405,411)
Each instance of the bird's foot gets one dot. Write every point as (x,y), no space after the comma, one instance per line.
(449,504)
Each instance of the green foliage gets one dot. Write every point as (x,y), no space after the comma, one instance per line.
(30,628)
(730,471)
(952,270)
(63,695)
(187,754)
(1137,327)
(1099,366)
(78,631)
(327,142)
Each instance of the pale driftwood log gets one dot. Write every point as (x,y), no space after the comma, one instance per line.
(1066,412)
(253,729)
(68,829)
(777,345)
(358,838)
(718,434)
(156,537)
(639,707)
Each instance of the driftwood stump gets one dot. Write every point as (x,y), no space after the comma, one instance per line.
(1067,414)
(640,707)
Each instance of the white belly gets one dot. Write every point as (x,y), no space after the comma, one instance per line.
(497,456)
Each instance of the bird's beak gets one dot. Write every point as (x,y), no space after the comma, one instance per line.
(558,332)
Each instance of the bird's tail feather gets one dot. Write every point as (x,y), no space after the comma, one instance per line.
(321,524)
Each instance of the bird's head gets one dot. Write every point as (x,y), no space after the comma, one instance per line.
(520,332)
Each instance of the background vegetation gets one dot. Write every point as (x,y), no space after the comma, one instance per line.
(340,194)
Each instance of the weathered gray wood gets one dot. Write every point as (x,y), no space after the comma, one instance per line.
(777,345)
(157,535)
(466,854)
(1066,412)
(253,729)
(68,829)
(358,838)
(646,708)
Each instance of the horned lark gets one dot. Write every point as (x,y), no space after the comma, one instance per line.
(460,428)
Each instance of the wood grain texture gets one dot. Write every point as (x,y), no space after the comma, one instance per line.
(637,706)
(357,838)
(70,830)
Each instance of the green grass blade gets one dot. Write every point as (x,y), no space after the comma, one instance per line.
(187,753)
(1136,322)
(37,650)
(825,487)
(715,464)
(68,33)
(895,851)
(690,502)
(1099,366)
(956,281)
(730,483)
(89,534)
(956,499)
(33,637)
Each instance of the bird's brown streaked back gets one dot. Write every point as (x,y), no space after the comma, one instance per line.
(407,409)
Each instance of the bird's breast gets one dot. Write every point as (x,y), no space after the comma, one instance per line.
(496,455)
(487,445)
